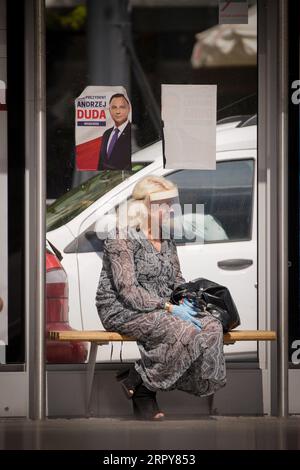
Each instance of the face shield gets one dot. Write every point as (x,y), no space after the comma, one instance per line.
(166,214)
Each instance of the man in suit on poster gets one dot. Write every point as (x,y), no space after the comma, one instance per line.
(115,152)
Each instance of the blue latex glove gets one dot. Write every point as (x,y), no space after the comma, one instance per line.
(193,311)
(186,313)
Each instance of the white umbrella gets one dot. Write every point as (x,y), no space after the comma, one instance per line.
(227,44)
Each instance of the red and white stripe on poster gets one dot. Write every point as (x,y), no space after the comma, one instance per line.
(92,119)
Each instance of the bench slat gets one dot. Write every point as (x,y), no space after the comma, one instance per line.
(105,336)
(87,335)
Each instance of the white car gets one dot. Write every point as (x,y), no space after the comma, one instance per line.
(228,256)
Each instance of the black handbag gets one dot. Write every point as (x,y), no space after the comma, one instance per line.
(208,297)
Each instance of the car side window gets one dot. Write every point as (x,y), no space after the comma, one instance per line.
(227,196)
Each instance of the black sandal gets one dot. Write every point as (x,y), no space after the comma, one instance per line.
(130,380)
(145,406)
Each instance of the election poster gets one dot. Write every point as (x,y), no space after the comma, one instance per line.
(189,118)
(103,129)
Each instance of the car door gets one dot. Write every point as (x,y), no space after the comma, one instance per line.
(228,255)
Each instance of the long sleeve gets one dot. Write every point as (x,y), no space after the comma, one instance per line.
(179,279)
(121,257)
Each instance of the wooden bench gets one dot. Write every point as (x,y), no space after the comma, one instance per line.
(100,338)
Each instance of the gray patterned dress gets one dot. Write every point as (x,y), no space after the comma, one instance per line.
(135,282)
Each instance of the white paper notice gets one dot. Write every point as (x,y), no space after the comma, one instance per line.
(233,12)
(189,116)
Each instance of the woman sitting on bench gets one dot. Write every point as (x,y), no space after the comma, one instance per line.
(140,271)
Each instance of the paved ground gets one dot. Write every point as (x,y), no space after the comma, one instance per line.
(180,434)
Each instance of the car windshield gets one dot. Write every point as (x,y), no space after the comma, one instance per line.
(76,200)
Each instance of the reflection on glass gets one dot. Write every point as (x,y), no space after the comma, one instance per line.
(150,50)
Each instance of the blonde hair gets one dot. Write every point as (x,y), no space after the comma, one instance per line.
(151,184)
(137,212)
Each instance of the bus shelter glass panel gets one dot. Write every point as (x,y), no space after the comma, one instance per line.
(160,44)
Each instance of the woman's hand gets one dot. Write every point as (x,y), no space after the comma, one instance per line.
(186,312)
(193,310)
